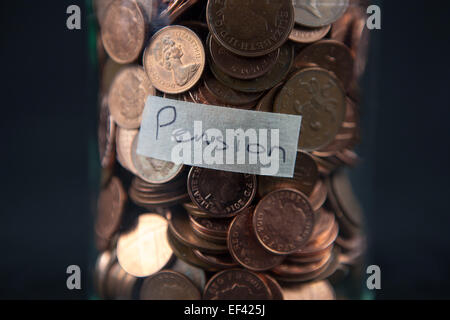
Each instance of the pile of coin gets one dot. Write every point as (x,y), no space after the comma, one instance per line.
(167,231)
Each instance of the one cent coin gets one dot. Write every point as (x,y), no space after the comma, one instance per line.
(127,96)
(181,229)
(283,221)
(238,66)
(301,34)
(317,95)
(175,59)
(245,247)
(169,285)
(153,170)
(124,142)
(145,250)
(227,95)
(221,194)
(111,204)
(318,13)
(123,31)
(236,284)
(274,286)
(267,81)
(331,55)
(268,26)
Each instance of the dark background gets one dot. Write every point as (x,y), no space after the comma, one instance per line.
(48,179)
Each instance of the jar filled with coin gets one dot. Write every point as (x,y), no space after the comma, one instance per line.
(167,231)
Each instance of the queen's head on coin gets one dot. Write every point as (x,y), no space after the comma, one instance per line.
(169,54)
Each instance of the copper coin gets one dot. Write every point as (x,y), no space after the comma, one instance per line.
(124,31)
(228,95)
(102,266)
(218,227)
(127,96)
(318,13)
(109,72)
(266,103)
(283,221)
(238,66)
(218,262)
(324,234)
(318,196)
(204,96)
(175,59)
(169,285)
(236,284)
(301,34)
(145,250)
(321,290)
(124,142)
(221,194)
(343,190)
(269,25)
(305,177)
(106,136)
(267,81)
(153,170)
(111,204)
(331,55)
(294,270)
(180,228)
(245,247)
(274,286)
(100,7)
(186,253)
(317,95)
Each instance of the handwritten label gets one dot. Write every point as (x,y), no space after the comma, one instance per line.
(219,138)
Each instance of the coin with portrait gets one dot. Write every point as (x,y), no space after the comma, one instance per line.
(175,59)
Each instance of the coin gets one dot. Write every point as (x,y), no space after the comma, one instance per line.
(127,96)
(145,250)
(245,247)
(180,228)
(321,290)
(269,25)
(331,55)
(169,285)
(236,284)
(283,221)
(316,95)
(106,136)
(175,59)
(301,34)
(313,13)
(124,31)
(346,198)
(109,72)
(111,204)
(204,96)
(216,261)
(266,103)
(306,175)
(124,142)
(295,270)
(318,196)
(240,67)
(186,253)
(100,7)
(228,95)
(153,170)
(217,227)
(275,288)
(102,266)
(267,81)
(221,194)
